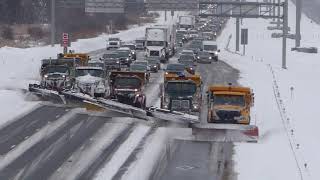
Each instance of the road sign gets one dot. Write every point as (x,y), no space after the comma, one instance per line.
(70,3)
(247,9)
(65,40)
(175,5)
(105,6)
(244,36)
(238,9)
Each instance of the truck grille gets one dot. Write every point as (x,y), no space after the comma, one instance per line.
(154,53)
(180,105)
(228,115)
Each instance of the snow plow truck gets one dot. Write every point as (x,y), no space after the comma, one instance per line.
(127,87)
(229,111)
(181,93)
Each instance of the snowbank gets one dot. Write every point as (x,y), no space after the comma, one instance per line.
(285,101)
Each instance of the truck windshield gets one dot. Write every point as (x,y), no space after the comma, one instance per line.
(210,47)
(155,43)
(127,82)
(92,72)
(131,47)
(234,100)
(56,69)
(138,68)
(175,68)
(123,53)
(113,43)
(110,56)
(181,88)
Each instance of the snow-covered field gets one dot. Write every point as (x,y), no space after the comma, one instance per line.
(285,102)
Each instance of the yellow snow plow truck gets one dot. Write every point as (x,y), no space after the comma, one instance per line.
(181,93)
(229,111)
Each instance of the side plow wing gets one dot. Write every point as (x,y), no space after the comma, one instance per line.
(225,132)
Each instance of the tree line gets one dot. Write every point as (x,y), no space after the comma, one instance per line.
(24,11)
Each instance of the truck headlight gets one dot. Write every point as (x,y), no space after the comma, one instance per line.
(133,52)
(210,57)
(195,106)
(216,53)
(198,57)
(127,59)
(239,118)
(63,76)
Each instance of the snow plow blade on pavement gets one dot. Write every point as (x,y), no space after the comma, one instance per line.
(134,112)
(225,132)
(46,94)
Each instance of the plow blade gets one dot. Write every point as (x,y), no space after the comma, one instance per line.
(128,110)
(173,116)
(134,112)
(46,94)
(225,132)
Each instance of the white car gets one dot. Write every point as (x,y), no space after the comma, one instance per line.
(113,43)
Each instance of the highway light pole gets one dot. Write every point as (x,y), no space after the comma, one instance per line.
(298,20)
(285,34)
(53,22)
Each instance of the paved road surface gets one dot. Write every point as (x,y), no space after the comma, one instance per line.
(56,149)
(189,160)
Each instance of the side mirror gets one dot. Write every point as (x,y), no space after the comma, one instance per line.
(218,50)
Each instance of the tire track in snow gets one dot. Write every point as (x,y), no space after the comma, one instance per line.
(107,154)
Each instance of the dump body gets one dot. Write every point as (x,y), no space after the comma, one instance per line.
(83,57)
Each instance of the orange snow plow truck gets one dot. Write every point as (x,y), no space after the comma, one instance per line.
(229,112)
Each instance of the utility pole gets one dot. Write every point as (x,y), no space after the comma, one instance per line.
(274,9)
(279,11)
(237,33)
(53,22)
(165,15)
(298,20)
(285,34)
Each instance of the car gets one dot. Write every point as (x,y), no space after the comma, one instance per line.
(113,43)
(132,48)
(140,68)
(145,63)
(187,52)
(140,44)
(154,64)
(175,68)
(204,57)
(124,56)
(186,57)
(111,61)
(195,46)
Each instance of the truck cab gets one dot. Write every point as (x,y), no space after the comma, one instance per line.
(113,43)
(160,42)
(212,48)
(229,104)
(91,80)
(127,87)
